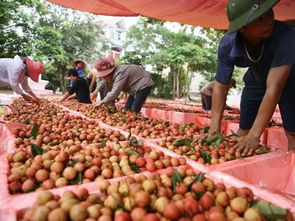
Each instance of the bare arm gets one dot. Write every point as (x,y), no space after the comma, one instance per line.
(218,102)
(92,75)
(97,89)
(72,96)
(65,97)
(36,99)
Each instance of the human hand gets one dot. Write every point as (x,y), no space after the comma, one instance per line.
(98,105)
(247,145)
(36,99)
(92,95)
(28,98)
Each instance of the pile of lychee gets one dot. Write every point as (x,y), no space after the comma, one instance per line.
(179,194)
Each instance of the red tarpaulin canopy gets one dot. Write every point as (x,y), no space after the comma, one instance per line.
(205,13)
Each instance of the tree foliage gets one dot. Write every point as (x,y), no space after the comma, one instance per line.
(15,26)
(49,33)
(181,53)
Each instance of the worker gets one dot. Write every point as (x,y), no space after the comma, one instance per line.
(14,72)
(266,46)
(80,66)
(132,79)
(79,87)
(206,95)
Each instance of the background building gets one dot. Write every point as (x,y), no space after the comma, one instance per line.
(115,30)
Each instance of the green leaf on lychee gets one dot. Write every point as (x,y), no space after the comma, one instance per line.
(131,152)
(262,150)
(198,178)
(72,162)
(54,143)
(34,131)
(176,178)
(255,202)
(77,180)
(212,139)
(36,186)
(103,143)
(133,142)
(182,142)
(233,134)
(134,167)
(36,150)
(205,156)
(271,212)
(218,142)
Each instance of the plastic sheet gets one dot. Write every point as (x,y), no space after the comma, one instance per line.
(145,111)
(277,117)
(202,121)
(7,138)
(274,174)
(7,98)
(205,122)
(233,128)
(8,215)
(210,14)
(190,107)
(180,117)
(161,114)
(276,137)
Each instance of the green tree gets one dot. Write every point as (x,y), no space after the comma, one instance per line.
(49,33)
(181,52)
(64,35)
(15,26)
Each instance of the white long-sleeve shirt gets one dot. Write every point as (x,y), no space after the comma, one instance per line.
(12,73)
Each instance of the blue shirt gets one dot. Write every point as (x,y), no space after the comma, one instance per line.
(278,50)
(80,72)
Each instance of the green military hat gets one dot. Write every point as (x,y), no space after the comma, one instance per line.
(242,12)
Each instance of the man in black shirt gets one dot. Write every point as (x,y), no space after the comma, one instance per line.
(79,87)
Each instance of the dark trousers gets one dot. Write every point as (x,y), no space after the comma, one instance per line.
(206,101)
(135,101)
